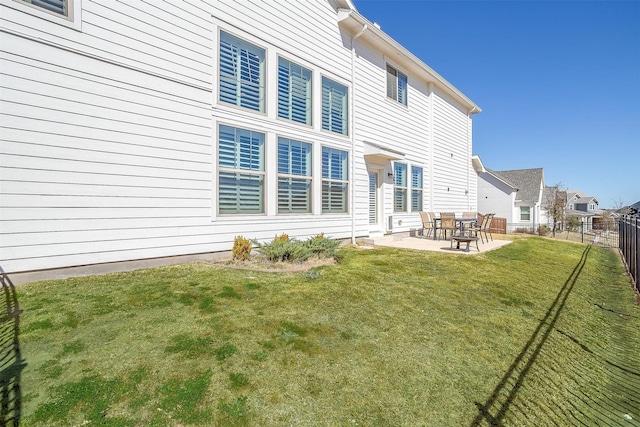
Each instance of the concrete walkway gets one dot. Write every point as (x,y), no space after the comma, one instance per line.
(428,244)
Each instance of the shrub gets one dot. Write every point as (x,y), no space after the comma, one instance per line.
(241,248)
(321,246)
(280,249)
(281,238)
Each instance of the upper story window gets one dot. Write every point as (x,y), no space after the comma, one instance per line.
(59,7)
(294,92)
(399,187)
(416,189)
(396,85)
(525,213)
(335,107)
(242,73)
(294,176)
(241,171)
(335,180)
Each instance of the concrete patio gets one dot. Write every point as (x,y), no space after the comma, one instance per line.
(402,240)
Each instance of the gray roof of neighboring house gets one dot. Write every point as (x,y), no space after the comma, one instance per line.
(581,197)
(527,181)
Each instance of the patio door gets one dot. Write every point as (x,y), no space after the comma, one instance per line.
(373,198)
(374,202)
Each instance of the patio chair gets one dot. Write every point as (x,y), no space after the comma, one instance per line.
(491,215)
(484,226)
(447,223)
(432,217)
(469,214)
(427,224)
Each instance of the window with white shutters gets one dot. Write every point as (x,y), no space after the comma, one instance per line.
(241,171)
(416,189)
(294,176)
(396,85)
(242,73)
(399,187)
(334,107)
(335,184)
(294,92)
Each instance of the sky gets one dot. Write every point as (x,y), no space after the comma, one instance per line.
(558,82)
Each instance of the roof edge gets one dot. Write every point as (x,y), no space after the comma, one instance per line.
(351,14)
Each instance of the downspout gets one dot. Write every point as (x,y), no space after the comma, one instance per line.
(469,166)
(353,138)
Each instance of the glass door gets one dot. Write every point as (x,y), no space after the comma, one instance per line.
(373,198)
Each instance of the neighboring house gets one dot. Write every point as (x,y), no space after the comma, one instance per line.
(152,130)
(585,208)
(515,195)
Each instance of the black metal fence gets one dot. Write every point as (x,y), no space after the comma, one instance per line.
(629,236)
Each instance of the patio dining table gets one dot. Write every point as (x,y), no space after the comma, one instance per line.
(460,224)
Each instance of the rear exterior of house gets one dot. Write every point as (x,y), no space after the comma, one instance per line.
(148,131)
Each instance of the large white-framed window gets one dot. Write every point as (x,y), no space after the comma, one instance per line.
(416,189)
(335,107)
(294,92)
(335,180)
(242,73)
(396,85)
(399,187)
(63,12)
(525,213)
(294,176)
(240,171)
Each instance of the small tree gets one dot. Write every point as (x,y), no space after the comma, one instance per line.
(556,203)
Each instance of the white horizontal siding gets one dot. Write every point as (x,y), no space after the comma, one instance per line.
(384,121)
(306,29)
(108,145)
(161,44)
(451,156)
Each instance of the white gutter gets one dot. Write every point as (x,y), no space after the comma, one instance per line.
(353,137)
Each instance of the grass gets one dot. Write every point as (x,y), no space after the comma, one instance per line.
(539,332)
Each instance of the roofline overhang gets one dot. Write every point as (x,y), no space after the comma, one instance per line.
(353,21)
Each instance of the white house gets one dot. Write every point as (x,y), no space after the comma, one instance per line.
(516,195)
(154,130)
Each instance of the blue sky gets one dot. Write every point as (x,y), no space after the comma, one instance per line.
(558,82)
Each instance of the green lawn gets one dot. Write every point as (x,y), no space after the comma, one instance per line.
(539,332)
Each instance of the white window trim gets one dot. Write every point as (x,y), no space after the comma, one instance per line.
(419,189)
(405,188)
(348,94)
(346,181)
(309,178)
(311,92)
(396,100)
(73,20)
(221,169)
(249,40)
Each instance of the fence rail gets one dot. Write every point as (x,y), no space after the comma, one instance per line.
(629,236)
